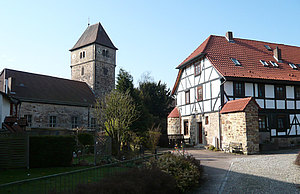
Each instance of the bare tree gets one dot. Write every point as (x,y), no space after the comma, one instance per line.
(115,114)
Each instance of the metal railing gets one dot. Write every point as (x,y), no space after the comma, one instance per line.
(67,181)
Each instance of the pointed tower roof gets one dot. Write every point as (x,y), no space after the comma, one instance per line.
(94,34)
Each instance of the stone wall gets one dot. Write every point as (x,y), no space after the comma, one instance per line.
(211,130)
(234,129)
(242,127)
(252,128)
(173,126)
(41,115)
(99,69)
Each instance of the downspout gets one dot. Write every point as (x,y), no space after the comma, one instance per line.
(220,124)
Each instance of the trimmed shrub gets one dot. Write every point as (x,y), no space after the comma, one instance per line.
(152,181)
(51,151)
(297,162)
(86,139)
(185,169)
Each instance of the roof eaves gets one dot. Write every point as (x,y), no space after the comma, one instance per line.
(176,82)
(199,56)
(31,100)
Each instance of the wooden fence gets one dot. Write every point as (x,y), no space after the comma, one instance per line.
(14,150)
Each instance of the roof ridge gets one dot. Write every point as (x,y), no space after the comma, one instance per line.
(256,41)
(204,44)
(44,75)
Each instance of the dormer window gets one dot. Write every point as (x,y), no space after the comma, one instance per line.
(274,64)
(82,71)
(236,62)
(293,66)
(264,63)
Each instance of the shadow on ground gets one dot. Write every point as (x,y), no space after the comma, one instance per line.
(217,180)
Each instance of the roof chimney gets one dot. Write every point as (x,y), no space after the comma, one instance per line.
(11,85)
(277,54)
(229,36)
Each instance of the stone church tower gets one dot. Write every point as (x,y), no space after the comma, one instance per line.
(93,60)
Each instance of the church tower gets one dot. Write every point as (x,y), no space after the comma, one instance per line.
(93,60)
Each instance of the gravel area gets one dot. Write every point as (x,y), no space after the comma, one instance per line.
(270,173)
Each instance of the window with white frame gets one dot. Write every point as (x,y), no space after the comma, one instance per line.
(28,119)
(52,121)
(74,121)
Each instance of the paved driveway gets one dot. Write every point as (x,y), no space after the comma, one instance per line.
(229,173)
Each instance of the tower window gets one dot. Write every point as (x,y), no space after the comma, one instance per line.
(82,71)
(105,71)
(80,55)
(105,53)
(83,54)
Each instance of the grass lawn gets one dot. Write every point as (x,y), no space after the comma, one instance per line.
(12,175)
(58,183)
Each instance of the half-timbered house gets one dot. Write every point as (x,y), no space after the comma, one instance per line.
(224,69)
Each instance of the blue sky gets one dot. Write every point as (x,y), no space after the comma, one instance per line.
(152,36)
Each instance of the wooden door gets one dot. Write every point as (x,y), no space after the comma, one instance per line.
(200,132)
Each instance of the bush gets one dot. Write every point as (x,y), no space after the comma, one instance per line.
(297,162)
(51,151)
(134,181)
(185,169)
(86,139)
(211,147)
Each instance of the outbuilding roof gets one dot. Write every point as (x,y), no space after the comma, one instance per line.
(249,53)
(174,113)
(94,34)
(237,105)
(30,87)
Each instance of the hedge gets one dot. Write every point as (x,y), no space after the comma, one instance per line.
(51,151)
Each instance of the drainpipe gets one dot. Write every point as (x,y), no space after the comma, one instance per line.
(219,114)
(220,127)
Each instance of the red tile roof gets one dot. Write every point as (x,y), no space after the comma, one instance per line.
(237,105)
(249,53)
(174,113)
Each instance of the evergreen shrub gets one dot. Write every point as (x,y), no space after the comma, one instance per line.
(51,151)
(133,181)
